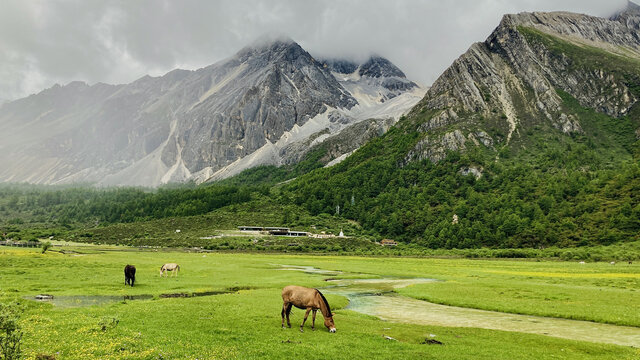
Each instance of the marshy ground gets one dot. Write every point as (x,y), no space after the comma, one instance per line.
(480,309)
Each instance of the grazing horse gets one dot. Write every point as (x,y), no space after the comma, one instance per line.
(170,267)
(129,275)
(306,298)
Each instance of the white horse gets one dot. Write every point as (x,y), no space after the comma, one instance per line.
(170,267)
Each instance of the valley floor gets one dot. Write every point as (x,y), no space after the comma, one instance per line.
(241,316)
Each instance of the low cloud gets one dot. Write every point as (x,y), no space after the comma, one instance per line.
(47,42)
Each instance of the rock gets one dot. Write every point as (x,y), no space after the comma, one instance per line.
(432,342)
(472,170)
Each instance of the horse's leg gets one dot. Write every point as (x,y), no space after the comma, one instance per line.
(306,314)
(284,311)
(313,319)
(289,305)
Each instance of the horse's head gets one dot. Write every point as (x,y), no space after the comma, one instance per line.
(328,322)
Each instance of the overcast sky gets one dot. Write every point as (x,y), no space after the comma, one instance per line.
(48,42)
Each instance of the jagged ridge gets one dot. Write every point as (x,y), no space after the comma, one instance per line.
(500,88)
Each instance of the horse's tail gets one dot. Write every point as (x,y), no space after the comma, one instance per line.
(286,311)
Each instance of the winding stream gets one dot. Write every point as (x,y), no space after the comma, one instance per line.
(376,297)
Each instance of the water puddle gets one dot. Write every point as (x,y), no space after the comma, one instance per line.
(376,297)
(197,294)
(308,270)
(71,301)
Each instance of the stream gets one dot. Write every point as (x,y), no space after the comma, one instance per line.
(376,297)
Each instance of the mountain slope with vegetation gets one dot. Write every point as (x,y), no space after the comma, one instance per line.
(530,139)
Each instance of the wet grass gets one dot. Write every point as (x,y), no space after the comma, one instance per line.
(246,323)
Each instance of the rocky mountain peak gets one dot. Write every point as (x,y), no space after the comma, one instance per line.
(378,66)
(620,31)
(528,74)
(375,66)
(189,124)
(270,45)
(630,16)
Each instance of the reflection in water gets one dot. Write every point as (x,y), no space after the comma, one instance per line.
(70,301)
(376,297)
(308,270)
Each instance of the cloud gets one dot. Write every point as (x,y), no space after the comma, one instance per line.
(47,42)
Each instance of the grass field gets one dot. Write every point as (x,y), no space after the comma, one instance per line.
(246,322)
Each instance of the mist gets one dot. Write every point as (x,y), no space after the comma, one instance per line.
(48,42)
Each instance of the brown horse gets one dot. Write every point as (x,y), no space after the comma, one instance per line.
(306,298)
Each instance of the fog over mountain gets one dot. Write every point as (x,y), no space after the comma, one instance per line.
(269,104)
(43,43)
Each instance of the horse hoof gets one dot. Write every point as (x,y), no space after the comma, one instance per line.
(301,330)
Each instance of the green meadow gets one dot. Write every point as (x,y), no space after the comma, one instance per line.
(243,321)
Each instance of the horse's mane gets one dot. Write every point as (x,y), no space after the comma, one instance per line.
(326,303)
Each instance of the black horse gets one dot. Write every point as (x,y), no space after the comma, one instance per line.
(129,275)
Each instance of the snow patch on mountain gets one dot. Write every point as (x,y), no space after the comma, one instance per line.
(329,123)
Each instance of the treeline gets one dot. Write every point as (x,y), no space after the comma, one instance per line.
(509,206)
(20,203)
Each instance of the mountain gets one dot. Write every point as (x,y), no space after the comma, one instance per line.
(526,74)
(187,125)
(530,138)
(383,94)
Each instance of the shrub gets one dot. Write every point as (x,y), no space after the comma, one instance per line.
(46,246)
(10,333)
